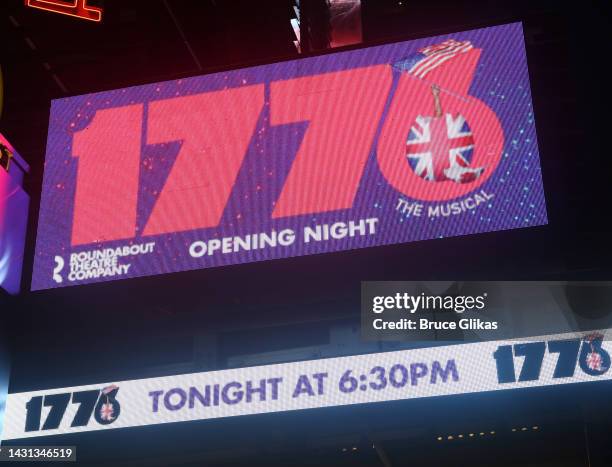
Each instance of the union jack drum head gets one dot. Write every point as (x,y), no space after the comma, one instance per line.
(440,149)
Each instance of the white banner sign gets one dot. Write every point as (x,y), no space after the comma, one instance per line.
(407,374)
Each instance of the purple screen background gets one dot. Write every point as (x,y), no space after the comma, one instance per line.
(501,81)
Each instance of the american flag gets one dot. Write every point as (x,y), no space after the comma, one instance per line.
(109,389)
(440,149)
(428,58)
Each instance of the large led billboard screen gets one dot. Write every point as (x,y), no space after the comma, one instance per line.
(396,143)
(408,374)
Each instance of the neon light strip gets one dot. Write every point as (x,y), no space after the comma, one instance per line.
(77,8)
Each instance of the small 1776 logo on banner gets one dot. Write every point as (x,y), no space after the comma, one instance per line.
(77,8)
(101,403)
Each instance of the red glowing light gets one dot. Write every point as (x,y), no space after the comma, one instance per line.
(76,8)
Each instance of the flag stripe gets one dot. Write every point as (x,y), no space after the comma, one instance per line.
(437,54)
(435,59)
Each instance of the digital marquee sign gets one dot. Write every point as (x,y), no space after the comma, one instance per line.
(401,375)
(14,205)
(403,142)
